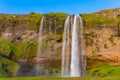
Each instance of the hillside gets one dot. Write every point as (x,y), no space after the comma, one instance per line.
(19,35)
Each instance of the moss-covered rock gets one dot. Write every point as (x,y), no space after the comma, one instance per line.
(19,34)
(7,67)
(104,71)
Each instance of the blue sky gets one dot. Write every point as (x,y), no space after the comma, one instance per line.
(45,6)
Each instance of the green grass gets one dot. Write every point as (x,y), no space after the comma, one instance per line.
(31,21)
(104,71)
(7,67)
(95,21)
(60,78)
(26,50)
(3,73)
(19,50)
(6,47)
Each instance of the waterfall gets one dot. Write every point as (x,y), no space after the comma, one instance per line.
(66,47)
(45,30)
(39,51)
(73,60)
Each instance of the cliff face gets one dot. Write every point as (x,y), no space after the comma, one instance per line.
(102,37)
(111,13)
(103,47)
(19,34)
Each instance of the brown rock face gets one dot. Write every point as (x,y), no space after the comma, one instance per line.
(23,36)
(102,42)
(111,13)
(105,47)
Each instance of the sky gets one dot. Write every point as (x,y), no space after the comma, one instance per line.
(46,6)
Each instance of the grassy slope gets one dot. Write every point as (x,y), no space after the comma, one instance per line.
(9,68)
(30,21)
(103,72)
(95,21)
(59,78)
(21,50)
(90,20)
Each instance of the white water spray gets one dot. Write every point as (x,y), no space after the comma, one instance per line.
(73,61)
(39,51)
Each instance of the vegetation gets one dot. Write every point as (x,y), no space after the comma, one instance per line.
(6,47)
(29,21)
(96,21)
(17,51)
(7,67)
(61,78)
(26,50)
(12,51)
(104,71)
(111,39)
(21,21)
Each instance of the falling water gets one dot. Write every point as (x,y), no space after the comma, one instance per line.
(50,22)
(55,24)
(41,69)
(65,51)
(82,46)
(77,53)
(75,56)
(39,51)
(73,61)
